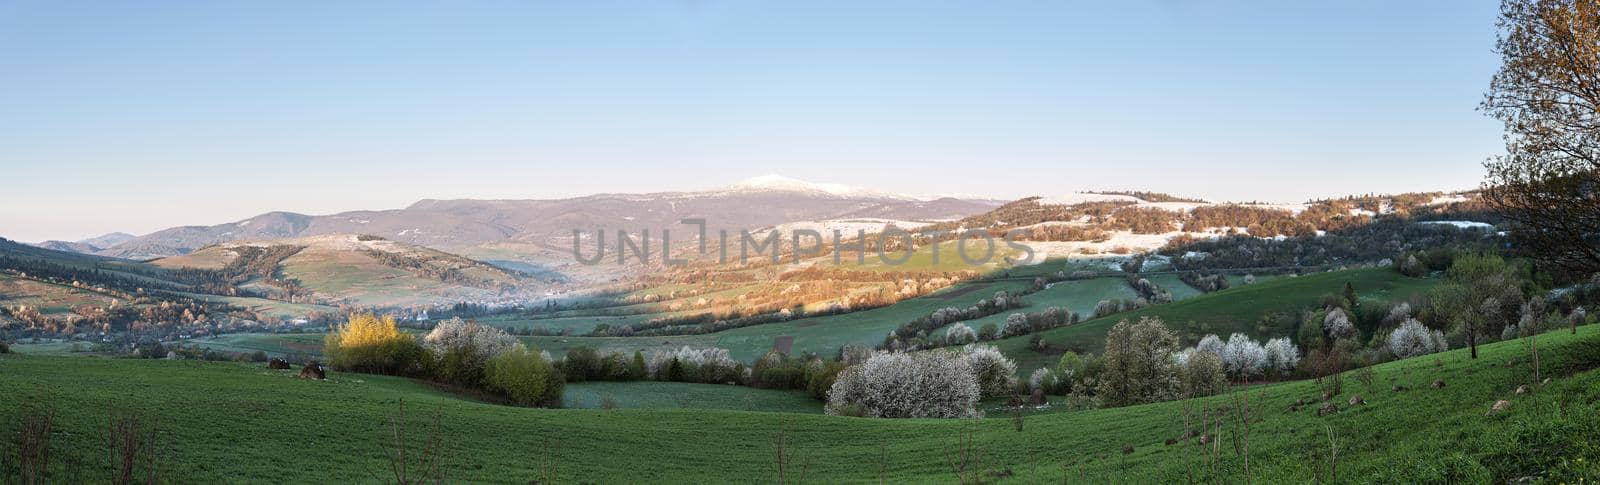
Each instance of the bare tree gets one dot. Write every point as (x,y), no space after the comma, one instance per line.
(134,444)
(1547,93)
(427,469)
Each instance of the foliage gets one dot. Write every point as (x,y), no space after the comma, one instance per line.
(1138,364)
(1548,182)
(525,378)
(930,384)
(1412,339)
(995,374)
(370,344)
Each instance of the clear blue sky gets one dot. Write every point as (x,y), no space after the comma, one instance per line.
(135,116)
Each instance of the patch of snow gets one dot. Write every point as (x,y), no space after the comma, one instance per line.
(1461,224)
(1448,199)
(245,223)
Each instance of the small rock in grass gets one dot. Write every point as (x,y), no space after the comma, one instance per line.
(1499,407)
(1328,408)
(1438,384)
(1399,388)
(1523,389)
(1356,400)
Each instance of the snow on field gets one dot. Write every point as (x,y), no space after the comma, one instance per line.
(1448,199)
(1461,224)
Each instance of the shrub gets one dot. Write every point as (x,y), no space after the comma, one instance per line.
(525,378)
(1212,344)
(461,349)
(367,343)
(820,376)
(932,384)
(1203,374)
(581,364)
(1243,357)
(1282,355)
(687,364)
(996,375)
(1336,324)
(1412,339)
(987,332)
(1016,324)
(960,334)
(1043,381)
(1138,365)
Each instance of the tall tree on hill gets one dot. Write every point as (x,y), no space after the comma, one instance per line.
(1547,93)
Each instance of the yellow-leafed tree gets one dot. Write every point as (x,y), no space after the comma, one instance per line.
(373,344)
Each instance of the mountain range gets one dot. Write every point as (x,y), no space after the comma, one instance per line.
(536,234)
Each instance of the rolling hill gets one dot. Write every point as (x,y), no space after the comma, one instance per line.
(464,225)
(362,270)
(243,422)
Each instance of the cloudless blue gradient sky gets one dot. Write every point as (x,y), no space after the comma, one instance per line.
(135,116)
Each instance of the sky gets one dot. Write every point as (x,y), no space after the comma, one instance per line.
(137,116)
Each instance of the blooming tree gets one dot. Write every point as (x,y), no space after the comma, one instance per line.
(1336,324)
(933,384)
(1282,355)
(960,334)
(995,374)
(483,341)
(1413,339)
(1016,324)
(1243,357)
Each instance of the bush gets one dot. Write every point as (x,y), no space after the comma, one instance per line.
(1243,357)
(1336,324)
(367,343)
(1016,324)
(996,375)
(932,384)
(581,364)
(959,334)
(525,378)
(820,376)
(1282,355)
(1203,374)
(987,332)
(1412,339)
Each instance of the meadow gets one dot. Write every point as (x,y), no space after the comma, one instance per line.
(234,422)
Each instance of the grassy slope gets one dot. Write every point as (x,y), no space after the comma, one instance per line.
(673,395)
(223,422)
(1237,309)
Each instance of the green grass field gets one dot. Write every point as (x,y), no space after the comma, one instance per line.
(228,422)
(1237,309)
(677,395)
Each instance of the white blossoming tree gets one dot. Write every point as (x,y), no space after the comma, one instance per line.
(995,374)
(1413,339)
(1243,357)
(933,384)
(1336,324)
(1282,355)
(960,334)
(1016,324)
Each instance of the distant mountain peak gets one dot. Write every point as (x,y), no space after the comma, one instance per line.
(775,182)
